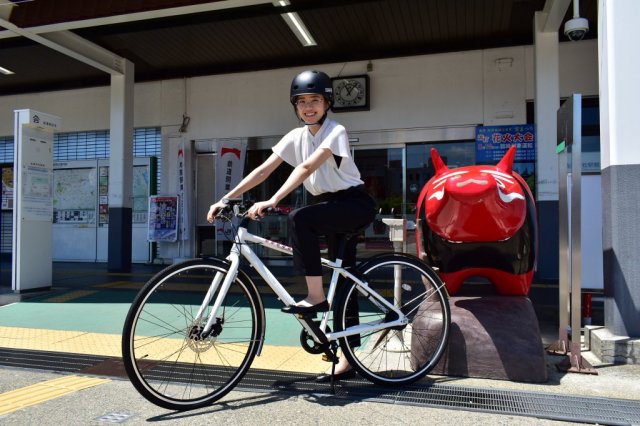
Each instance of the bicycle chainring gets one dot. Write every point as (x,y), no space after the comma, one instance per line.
(310,345)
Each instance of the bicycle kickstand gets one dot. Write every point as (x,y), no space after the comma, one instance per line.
(333,356)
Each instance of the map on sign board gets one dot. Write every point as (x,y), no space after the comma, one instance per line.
(74,195)
(141,189)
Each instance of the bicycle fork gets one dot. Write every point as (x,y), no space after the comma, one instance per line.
(229,277)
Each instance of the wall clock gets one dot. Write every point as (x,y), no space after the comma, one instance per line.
(350,93)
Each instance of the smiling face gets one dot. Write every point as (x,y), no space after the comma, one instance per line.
(311,108)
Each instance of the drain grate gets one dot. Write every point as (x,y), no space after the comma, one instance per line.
(523,403)
(42,360)
(508,402)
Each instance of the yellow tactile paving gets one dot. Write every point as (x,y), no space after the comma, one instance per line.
(45,391)
(282,358)
(79,342)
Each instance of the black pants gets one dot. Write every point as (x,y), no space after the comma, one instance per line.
(332,214)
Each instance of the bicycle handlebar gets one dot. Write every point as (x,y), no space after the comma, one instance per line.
(238,208)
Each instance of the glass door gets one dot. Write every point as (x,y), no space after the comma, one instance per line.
(395,176)
(382,170)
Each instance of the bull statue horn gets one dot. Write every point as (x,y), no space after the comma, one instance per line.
(438,164)
(506,164)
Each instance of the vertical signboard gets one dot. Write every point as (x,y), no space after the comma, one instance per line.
(229,169)
(33,199)
(184,188)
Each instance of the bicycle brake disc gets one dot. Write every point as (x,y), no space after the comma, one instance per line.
(196,342)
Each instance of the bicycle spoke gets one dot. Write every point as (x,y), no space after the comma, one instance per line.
(169,357)
(403,352)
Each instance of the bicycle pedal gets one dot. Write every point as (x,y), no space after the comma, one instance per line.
(329,357)
(325,358)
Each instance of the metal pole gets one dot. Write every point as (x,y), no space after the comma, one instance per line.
(570,211)
(397,235)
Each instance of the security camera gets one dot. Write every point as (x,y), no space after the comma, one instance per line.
(576,28)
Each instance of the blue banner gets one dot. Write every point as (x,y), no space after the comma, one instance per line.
(492,142)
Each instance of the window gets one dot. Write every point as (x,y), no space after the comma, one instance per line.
(420,168)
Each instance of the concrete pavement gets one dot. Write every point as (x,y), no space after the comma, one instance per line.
(57,399)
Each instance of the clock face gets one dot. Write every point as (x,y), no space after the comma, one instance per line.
(351,93)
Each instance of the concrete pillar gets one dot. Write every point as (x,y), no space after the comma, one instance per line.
(547,101)
(121,169)
(620,161)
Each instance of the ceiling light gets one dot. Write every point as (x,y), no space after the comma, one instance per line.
(294,22)
(6,71)
(13,2)
(299,29)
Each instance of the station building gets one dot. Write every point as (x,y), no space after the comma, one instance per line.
(415,102)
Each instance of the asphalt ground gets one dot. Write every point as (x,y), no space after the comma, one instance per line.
(115,401)
(83,313)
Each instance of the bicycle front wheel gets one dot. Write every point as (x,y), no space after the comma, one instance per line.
(402,354)
(167,357)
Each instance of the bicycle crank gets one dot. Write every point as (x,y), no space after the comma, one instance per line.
(310,345)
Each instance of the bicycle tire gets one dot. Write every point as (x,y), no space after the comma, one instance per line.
(164,358)
(400,355)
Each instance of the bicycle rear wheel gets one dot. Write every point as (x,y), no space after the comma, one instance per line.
(402,354)
(166,357)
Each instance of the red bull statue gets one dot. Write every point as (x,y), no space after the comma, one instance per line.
(478,221)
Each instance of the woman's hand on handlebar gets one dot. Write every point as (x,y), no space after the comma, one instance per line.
(214,210)
(259,209)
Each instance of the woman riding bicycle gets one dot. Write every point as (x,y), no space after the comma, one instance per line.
(320,154)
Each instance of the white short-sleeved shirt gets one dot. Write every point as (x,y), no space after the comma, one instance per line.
(298,145)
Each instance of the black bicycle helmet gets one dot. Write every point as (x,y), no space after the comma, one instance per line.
(311,82)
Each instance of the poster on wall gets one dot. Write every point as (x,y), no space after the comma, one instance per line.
(103,194)
(163,218)
(492,143)
(7,188)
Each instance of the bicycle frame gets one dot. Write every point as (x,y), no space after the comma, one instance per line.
(240,249)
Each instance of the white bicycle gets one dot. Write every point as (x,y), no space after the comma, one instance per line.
(194,329)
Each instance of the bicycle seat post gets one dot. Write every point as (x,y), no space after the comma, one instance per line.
(337,257)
